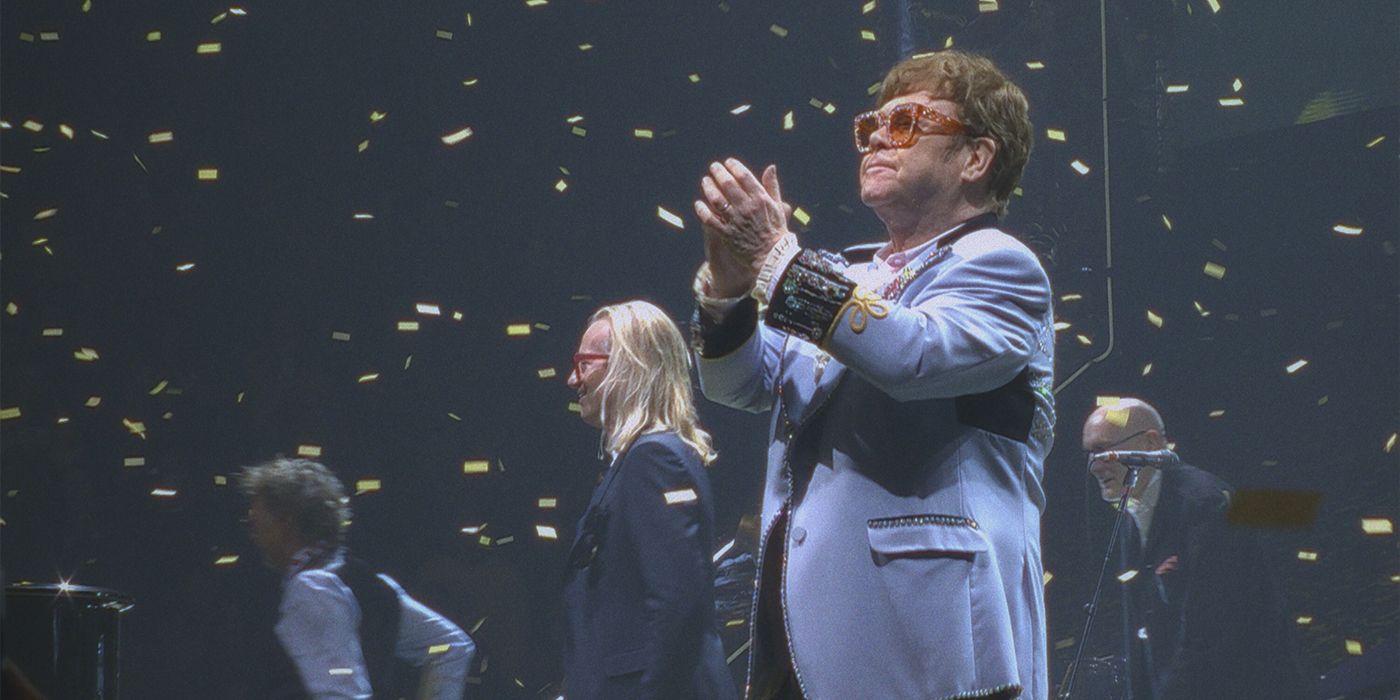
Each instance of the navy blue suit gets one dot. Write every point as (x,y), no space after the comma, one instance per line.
(639,593)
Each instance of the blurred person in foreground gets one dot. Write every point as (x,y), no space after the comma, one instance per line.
(639,588)
(343,631)
(910,389)
(1202,618)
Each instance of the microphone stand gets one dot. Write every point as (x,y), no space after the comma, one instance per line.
(1067,685)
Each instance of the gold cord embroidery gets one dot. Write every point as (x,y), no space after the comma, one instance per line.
(864,305)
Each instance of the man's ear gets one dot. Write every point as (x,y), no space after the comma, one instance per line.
(981,152)
(1155,440)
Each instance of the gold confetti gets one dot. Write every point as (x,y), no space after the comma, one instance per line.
(1377,526)
(48,36)
(87,5)
(1117,417)
(1237,85)
(367,378)
(680,496)
(376,116)
(1348,230)
(45,214)
(11,169)
(1147,369)
(1296,366)
(51,332)
(66,130)
(160,137)
(164,493)
(1079,167)
(427,309)
(1231,101)
(741,109)
(159,387)
(578,131)
(505,540)
(548,503)
(695,78)
(152,36)
(443,34)
(665,215)
(518,329)
(220,480)
(1055,134)
(1061,325)
(26,36)
(536,3)
(1216,413)
(802,216)
(1154,319)
(476,466)
(457,137)
(1354,647)
(1214,270)
(407,326)
(1084,339)
(456,315)
(9,413)
(367,486)
(12,309)
(1035,65)
(1100,401)
(1214,6)
(1307,555)
(984,6)
(86,355)
(868,7)
(308,450)
(340,335)
(33,126)
(546,532)
(209,47)
(226,559)
(574,407)
(436,649)
(208,174)
(342,671)
(1046,578)
(219,18)
(867,35)
(780,31)
(362,216)
(1178,88)
(642,133)
(561,185)
(1127,576)
(184,267)
(1375,142)
(1390,442)
(93,401)
(1304,619)
(546,373)
(830,108)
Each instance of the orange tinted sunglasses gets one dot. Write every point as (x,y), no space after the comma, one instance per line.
(904,122)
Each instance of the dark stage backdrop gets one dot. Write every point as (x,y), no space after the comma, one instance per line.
(371,232)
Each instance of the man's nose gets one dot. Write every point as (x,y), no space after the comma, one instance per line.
(572,381)
(880,138)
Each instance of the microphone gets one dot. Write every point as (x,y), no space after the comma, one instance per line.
(1158,459)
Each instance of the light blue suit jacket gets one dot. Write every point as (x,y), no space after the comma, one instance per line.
(909,461)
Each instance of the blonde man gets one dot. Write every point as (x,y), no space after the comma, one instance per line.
(910,382)
(639,592)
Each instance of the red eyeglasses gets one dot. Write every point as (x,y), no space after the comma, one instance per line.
(904,122)
(582,357)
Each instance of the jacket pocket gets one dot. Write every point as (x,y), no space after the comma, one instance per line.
(928,535)
(623,663)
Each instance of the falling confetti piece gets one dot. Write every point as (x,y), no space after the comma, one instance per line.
(1304,619)
(802,216)
(1117,417)
(1216,413)
(1390,442)
(1307,555)
(585,47)
(1214,6)
(362,216)
(548,503)
(376,116)
(547,373)
(208,174)
(33,126)
(428,309)
(670,218)
(367,486)
(780,31)
(340,336)
(12,309)
(536,3)
(741,109)
(1375,142)
(867,35)
(9,413)
(1214,270)
(1147,369)
(1231,101)
(546,532)
(787,121)
(48,36)
(1035,65)
(984,6)
(1296,366)
(45,214)
(134,462)
(476,466)
(226,560)
(161,137)
(578,131)
(1348,230)
(574,407)
(1237,85)
(342,671)
(209,47)
(367,378)
(642,133)
(518,329)
(1154,319)
(93,401)
(66,130)
(1100,401)
(457,137)
(1055,134)
(868,7)
(1061,325)
(164,493)
(1127,576)
(1046,578)
(1178,88)
(1353,647)
(693,77)
(1079,167)
(1377,526)
(443,34)
(86,355)
(456,315)
(1084,340)
(308,450)
(220,480)
(152,36)
(680,496)
(159,387)
(505,540)
(407,326)
(561,185)
(51,332)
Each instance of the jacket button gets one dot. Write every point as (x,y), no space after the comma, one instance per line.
(799,534)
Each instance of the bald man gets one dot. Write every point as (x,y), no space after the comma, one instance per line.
(1202,619)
